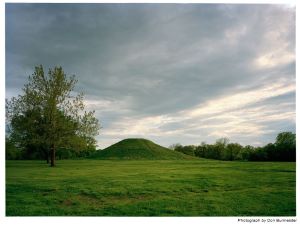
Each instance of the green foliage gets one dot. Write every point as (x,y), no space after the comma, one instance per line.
(246,152)
(69,153)
(11,151)
(138,149)
(26,131)
(49,115)
(284,149)
(286,146)
(286,139)
(151,188)
(233,151)
(188,150)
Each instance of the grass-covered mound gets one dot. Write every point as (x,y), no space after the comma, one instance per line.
(135,148)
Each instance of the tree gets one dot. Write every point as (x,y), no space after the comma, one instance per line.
(201,150)
(271,152)
(222,142)
(177,147)
(219,147)
(286,138)
(12,152)
(27,130)
(51,113)
(232,152)
(188,150)
(247,151)
(286,146)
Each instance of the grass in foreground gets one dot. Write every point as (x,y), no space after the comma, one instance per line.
(150,188)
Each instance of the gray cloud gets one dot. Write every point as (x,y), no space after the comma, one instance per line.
(139,61)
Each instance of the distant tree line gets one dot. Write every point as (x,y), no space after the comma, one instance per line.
(284,149)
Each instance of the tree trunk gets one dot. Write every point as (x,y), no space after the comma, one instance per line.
(53,156)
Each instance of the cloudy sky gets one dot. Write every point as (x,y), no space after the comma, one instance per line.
(172,73)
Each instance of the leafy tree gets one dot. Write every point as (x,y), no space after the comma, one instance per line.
(213,151)
(51,114)
(200,150)
(286,139)
(219,147)
(233,152)
(26,131)
(188,150)
(271,152)
(286,146)
(246,152)
(12,152)
(178,147)
(259,154)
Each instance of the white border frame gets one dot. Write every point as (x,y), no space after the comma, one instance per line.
(126,220)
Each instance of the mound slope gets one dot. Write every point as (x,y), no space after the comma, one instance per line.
(135,148)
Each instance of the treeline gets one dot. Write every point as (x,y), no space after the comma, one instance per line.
(34,152)
(284,149)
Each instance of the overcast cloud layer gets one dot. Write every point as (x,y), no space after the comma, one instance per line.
(167,72)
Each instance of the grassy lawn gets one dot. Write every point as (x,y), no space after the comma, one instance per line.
(150,188)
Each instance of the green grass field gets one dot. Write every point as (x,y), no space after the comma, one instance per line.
(150,188)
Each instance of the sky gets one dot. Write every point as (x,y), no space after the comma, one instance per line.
(171,73)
